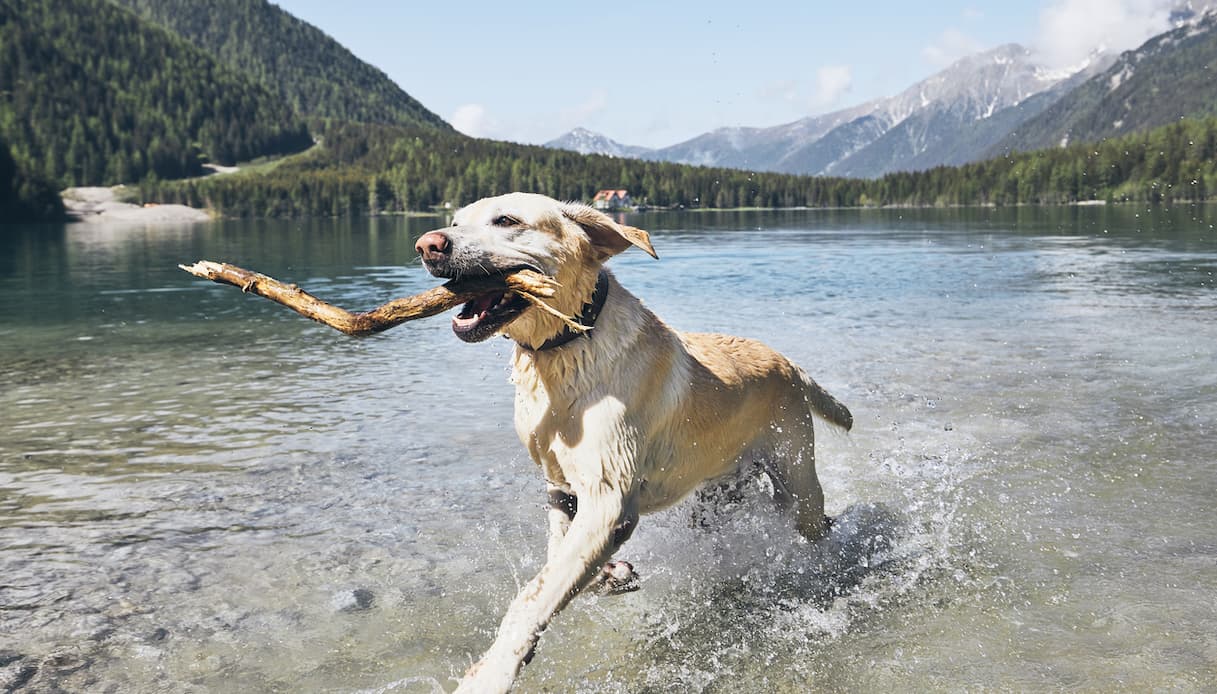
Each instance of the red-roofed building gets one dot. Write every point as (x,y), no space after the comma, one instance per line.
(611,200)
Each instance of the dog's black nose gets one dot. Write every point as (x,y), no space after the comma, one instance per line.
(433,246)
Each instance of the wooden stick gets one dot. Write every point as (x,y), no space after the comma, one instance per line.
(530,285)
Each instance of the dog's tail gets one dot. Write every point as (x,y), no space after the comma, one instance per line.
(825,405)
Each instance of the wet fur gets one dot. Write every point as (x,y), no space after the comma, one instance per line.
(631,418)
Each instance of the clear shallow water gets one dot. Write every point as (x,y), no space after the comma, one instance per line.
(201,491)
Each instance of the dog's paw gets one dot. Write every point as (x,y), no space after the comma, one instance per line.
(617,577)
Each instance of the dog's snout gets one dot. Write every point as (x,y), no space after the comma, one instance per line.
(433,246)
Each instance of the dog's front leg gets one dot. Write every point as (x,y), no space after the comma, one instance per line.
(562,508)
(614,577)
(577,557)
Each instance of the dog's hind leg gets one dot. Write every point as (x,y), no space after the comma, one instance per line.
(718,497)
(792,467)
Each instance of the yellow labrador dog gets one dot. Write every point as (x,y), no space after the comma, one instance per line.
(625,418)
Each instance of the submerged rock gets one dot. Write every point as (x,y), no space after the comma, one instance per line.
(352,600)
(16,671)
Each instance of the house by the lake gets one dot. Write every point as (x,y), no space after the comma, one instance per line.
(611,200)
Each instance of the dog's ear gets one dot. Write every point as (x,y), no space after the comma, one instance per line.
(607,235)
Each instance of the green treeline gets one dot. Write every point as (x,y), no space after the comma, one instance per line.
(314,73)
(1173,163)
(377,169)
(90,94)
(23,197)
(362,169)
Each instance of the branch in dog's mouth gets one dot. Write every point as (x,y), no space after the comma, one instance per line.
(483,296)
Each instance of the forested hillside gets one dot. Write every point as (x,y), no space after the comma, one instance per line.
(368,170)
(318,76)
(90,94)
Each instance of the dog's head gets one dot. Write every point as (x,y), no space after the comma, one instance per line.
(498,236)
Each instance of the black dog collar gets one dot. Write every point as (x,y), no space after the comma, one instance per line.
(591,311)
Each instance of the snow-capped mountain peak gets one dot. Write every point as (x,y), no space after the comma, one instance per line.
(585,141)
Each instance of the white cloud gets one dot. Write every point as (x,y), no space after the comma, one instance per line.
(474,121)
(832,82)
(1070,30)
(950,46)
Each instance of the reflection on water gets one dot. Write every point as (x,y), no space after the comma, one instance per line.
(202,491)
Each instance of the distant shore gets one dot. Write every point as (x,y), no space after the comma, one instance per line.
(101,205)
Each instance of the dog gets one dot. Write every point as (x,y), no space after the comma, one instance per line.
(624,417)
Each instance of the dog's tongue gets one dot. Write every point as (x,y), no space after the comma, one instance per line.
(476,309)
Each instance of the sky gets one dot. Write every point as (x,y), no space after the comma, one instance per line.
(658,73)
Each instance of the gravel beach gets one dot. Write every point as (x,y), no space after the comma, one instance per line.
(101,204)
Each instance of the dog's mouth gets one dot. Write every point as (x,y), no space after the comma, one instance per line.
(486,315)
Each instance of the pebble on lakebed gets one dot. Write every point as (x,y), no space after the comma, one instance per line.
(352,600)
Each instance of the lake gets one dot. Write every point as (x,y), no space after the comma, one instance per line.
(202,491)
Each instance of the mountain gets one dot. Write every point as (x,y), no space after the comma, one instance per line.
(94,95)
(951,133)
(584,141)
(917,128)
(821,155)
(971,140)
(929,117)
(1171,76)
(759,149)
(314,73)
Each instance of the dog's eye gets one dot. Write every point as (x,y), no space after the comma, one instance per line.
(505,221)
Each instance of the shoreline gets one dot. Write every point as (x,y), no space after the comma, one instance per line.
(100,204)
